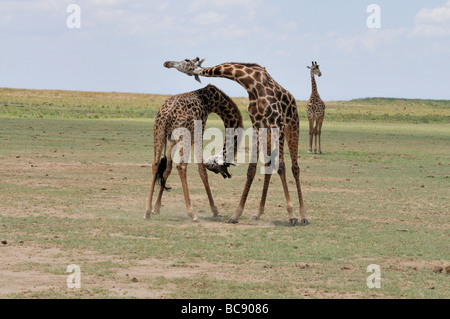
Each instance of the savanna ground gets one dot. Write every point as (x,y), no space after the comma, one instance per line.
(75,173)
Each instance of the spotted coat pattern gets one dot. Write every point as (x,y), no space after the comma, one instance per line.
(315,110)
(270,106)
(180,111)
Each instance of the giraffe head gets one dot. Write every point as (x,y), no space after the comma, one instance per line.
(186,66)
(315,69)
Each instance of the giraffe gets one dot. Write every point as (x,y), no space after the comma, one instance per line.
(271,106)
(315,110)
(180,111)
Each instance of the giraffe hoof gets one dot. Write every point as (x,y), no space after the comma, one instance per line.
(232,221)
(293,221)
(215,211)
(148,214)
(304,222)
(255,218)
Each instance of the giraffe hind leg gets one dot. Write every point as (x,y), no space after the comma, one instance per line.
(282,173)
(152,189)
(156,168)
(320,133)
(182,167)
(292,139)
(315,136)
(161,171)
(166,174)
(165,177)
(311,133)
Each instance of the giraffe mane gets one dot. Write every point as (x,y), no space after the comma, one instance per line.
(230,101)
(246,64)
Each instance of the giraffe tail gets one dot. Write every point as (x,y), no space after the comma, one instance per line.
(160,174)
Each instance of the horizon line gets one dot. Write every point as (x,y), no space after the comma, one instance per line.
(236,97)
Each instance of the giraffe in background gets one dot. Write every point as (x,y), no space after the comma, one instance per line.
(180,111)
(315,110)
(271,106)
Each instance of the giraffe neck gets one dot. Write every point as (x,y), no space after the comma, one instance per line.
(229,113)
(247,75)
(313,85)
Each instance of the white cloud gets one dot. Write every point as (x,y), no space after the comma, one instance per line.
(106,2)
(209,18)
(198,5)
(428,30)
(229,32)
(433,22)
(439,15)
(370,41)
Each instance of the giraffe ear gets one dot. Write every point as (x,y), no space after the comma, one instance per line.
(308,67)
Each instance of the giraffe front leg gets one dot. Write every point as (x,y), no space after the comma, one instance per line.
(250,176)
(262,204)
(204,177)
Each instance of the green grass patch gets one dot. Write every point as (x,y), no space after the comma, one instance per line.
(75,189)
(98,105)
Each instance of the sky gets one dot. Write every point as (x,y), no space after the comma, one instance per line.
(121,45)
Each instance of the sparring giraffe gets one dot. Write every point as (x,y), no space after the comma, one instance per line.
(271,106)
(315,110)
(180,112)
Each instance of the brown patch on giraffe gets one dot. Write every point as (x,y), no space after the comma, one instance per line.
(228,70)
(247,81)
(239,73)
(249,71)
(257,76)
(260,89)
(218,71)
(263,103)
